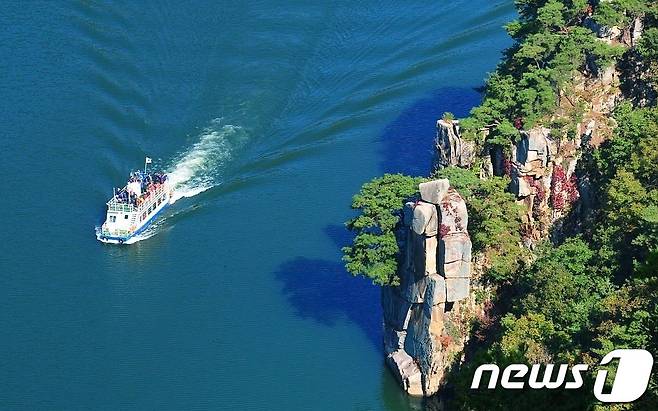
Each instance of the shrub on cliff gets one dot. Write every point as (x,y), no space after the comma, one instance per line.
(580,299)
(374,252)
(648,50)
(539,69)
(591,294)
(552,320)
(626,181)
(619,12)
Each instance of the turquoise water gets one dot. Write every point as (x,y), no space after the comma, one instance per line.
(270,115)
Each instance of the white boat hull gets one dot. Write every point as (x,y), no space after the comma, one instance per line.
(124,223)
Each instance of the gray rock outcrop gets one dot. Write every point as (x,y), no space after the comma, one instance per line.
(434,277)
(530,158)
(450,148)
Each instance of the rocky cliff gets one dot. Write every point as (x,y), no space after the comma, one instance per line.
(425,317)
(421,316)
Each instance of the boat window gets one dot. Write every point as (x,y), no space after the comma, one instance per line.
(125,216)
(113,219)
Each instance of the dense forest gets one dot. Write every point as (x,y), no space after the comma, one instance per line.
(589,287)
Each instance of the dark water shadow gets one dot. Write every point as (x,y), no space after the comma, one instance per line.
(407,141)
(323,291)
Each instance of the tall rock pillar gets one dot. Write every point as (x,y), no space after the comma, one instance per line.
(419,338)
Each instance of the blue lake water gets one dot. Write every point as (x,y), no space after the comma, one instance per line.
(271,115)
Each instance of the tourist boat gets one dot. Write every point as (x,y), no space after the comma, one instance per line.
(134,207)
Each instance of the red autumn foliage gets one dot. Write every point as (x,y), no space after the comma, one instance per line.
(518,123)
(540,194)
(445,340)
(564,191)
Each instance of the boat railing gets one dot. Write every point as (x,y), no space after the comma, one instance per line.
(151,198)
(146,201)
(120,207)
(116,233)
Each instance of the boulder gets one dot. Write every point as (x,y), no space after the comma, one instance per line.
(605,33)
(436,269)
(636,30)
(537,140)
(530,158)
(435,290)
(393,340)
(520,185)
(456,269)
(434,191)
(396,310)
(521,150)
(413,289)
(407,372)
(425,219)
(424,344)
(454,215)
(408,213)
(454,248)
(423,255)
(457,288)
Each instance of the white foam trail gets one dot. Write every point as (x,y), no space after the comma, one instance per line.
(153,229)
(197,169)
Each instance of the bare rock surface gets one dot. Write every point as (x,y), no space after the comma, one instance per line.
(450,147)
(436,271)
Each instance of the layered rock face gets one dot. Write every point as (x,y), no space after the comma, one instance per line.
(530,168)
(421,336)
(543,163)
(451,149)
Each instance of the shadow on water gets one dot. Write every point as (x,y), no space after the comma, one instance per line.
(407,141)
(323,291)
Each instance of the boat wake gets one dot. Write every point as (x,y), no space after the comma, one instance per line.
(199,168)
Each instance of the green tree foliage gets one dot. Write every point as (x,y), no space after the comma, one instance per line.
(648,45)
(564,286)
(494,222)
(374,252)
(627,183)
(619,13)
(593,293)
(551,47)
(551,321)
(648,51)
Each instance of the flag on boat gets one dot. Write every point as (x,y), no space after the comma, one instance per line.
(148,160)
